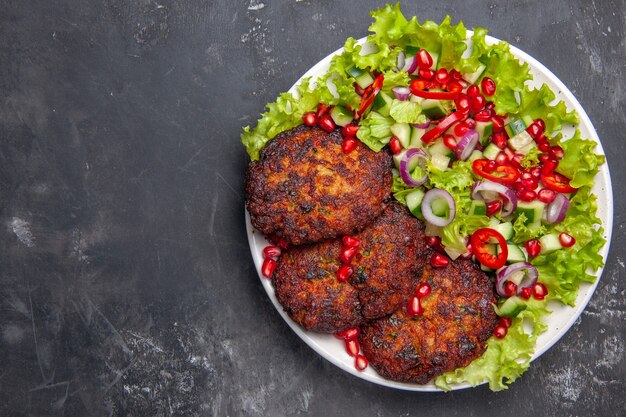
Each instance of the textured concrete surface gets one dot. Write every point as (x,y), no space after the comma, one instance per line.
(126,284)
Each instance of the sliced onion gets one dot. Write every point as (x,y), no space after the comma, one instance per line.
(482,190)
(368,48)
(401,60)
(410,64)
(505,273)
(466,145)
(332,87)
(410,159)
(427,210)
(556,210)
(425,125)
(401,93)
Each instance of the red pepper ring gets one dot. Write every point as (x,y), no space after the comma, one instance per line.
(443,125)
(557,182)
(479,241)
(370,93)
(419,88)
(505,174)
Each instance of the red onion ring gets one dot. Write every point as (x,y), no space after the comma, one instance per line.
(401,93)
(427,210)
(408,162)
(422,125)
(410,64)
(466,145)
(481,187)
(505,273)
(557,209)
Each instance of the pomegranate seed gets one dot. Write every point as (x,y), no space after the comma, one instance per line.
(516,160)
(344,272)
(518,186)
(462,102)
(500,331)
(326,123)
(533,247)
(501,159)
(505,321)
(455,74)
(426,74)
(556,152)
(483,116)
(526,194)
(473,90)
(490,167)
(424,60)
(498,123)
(525,293)
(490,105)
(395,145)
(449,141)
(539,291)
(549,166)
(510,288)
(268,267)
(414,308)
(437,260)
(541,124)
(349,144)
(469,252)
(477,103)
(499,138)
(546,196)
(442,76)
(322,109)
(352,347)
(271,252)
(360,362)
(567,240)
(470,123)
(533,130)
(433,241)
(530,183)
(488,86)
(347,254)
(543,146)
(278,241)
(351,241)
(349,130)
(349,334)
(536,172)
(423,290)
(460,129)
(494,207)
(309,119)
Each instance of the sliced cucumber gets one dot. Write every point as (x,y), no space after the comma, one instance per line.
(520,140)
(505,229)
(491,151)
(527,148)
(435,109)
(478,208)
(550,243)
(440,162)
(382,103)
(532,210)
(440,207)
(514,127)
(472,77)
(476,154)
(440,148)
(416,137)
(484,129)
(414,202)
(516,254)
(403,132)
(512,307)
(362,77)
(341,116)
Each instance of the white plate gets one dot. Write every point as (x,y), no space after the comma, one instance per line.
(559,321)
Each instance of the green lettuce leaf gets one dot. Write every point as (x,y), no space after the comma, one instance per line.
(406,112)
(536,103)
(375,130)
(580,163)
(522,233)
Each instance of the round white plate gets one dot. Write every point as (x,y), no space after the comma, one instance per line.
(562,317)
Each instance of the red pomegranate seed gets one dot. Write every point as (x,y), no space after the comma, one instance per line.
(462,102)
(526,194)
(352,347)
(477,103)
(494,207)
(344,272)
(349,334)
(424,60)
(525,293)
(536,172)
(488,86)
(546,196)
(549,166)
(470,123)
(498,123)
(450,141)
(322,109)
(271,252)
(499,138)
(351,241)
(505,321)
(490,167)
(500,331)
(437,260)
(530,183)
(360,362)
(326,123)
(567,240)
(423,290)
(501,159)
(541,124)
(414,308)
(556,152)
(539,291)
(516,160)
(395,145)
(349,130)
(426,74)
(309,119)
(268,267)
(518,186)
(347,253)
(433,241)
(534,130)
(510,288)
(442,76)
(469,252)
(533,247)
(483,116)
(490,105)
(543,146)
(349,144)
(473,90)
(455,74)
(460,129)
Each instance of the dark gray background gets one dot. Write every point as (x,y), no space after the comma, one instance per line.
(126,283)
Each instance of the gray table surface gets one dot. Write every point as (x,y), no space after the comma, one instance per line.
(126,283)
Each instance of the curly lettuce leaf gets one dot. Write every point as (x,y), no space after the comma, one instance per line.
(580,163)
(537,103)
(375,130)
(406,112)
(522,232)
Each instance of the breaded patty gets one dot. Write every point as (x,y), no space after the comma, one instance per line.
(387,266)
(458,319)
(305,189)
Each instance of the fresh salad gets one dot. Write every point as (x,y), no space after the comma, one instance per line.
(478,156)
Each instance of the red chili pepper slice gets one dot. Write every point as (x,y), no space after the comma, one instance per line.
(419,88)
(557,182)
(505,174)
(370,93)
(479,241)
(443,125)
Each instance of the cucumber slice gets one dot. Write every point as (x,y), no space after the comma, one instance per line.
(416,137)
(440,162)
(472,77)
(516,254)
(440,207)
(521,140)
(505,229)
(550,243)
(476,154)
(478,208)
(440,148)
(512,307)
(403,132)
(484,129)
(435,109)
(414,202)
(532,210)
(491,151)
(362,77)
(382,103)
(515,127)
(341,116)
